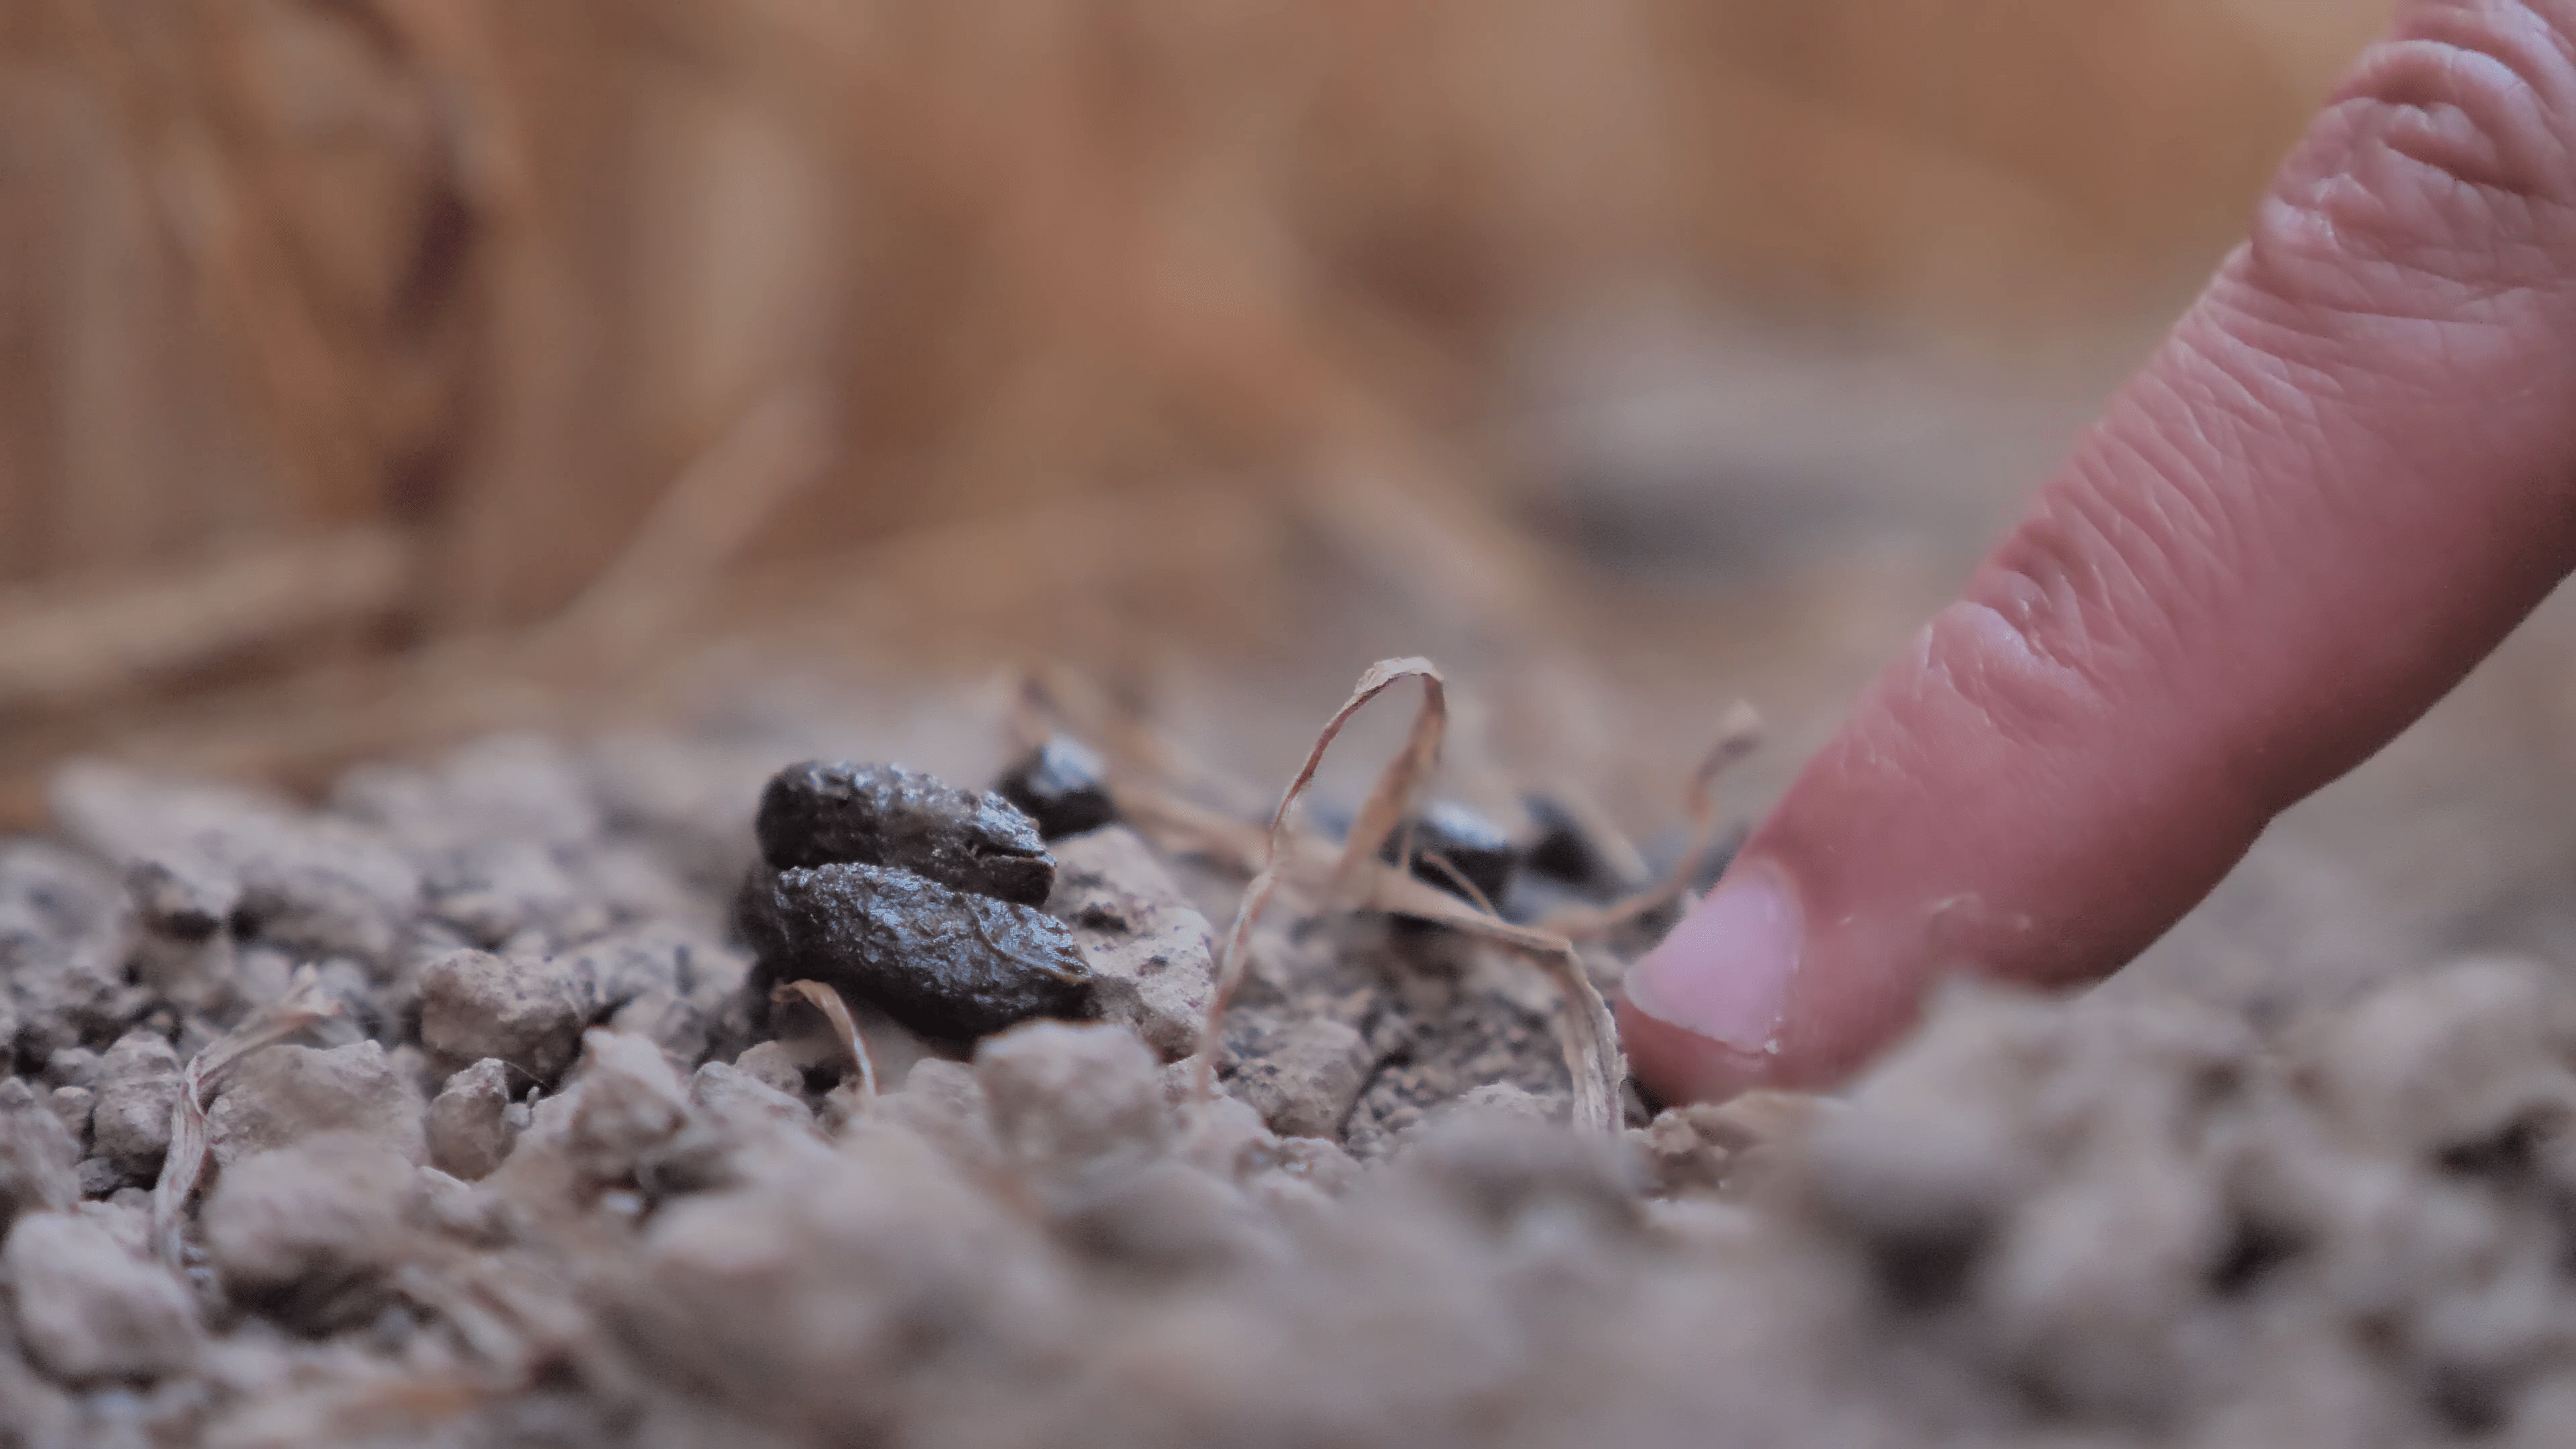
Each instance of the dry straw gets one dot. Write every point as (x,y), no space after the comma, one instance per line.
(845,1032)
(304,1004)
(1352,877)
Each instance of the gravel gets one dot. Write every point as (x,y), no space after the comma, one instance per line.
(307,1234)
(89,1307)
(284,1094)
(526,1011)
(569,1184)
(136,1081)
(468,1129)
(39,1156)
(1153,965)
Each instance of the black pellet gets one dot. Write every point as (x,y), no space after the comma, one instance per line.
(1062,786)
(945,962)
(820,813)
(1476,846)
(1562,849)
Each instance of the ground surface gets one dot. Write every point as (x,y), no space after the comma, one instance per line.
(547,1173)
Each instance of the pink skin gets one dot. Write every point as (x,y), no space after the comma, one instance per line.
(2348,473)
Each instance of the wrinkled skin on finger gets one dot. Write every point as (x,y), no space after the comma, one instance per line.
(2348,472)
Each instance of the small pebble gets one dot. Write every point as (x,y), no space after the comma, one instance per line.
(71,1106)
(627,1102)
(39,1160)
(527,1011)
(1163,1221)
(1071,1102)
(742,1101)
(319,885)
(468,1212)
(59,910)
(1320,1161)
(307,1231)
(776,1065)
(656,956)
(284,1094)
(942,1101)
(499,892)
(1062,786)
(1149,949)
(943,962)
(674,1025)
(138,1084)
(817,814)
(185,898)
(1306,1083)
(1485,1156)
(468,1124)
(89,1309)
(72,1067)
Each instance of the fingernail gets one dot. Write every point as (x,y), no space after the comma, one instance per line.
(1724,971)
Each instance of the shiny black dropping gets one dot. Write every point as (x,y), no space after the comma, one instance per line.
(1475,846)
(944,962)
(827,813)
(1062,786)
(1564,850)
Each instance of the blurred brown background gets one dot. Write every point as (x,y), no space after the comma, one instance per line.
(374,371)
(431,302)
(494,274)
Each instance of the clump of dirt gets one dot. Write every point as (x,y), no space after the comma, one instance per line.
(546,1166)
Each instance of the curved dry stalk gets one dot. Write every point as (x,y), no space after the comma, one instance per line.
(1591,1037)
(1457,879)
(1052,696)
(1739,733)
(1184,827)
(1385,807)
(1389,805)
(303,1005)
(1593,1059)
(1353,877)
(828,1001)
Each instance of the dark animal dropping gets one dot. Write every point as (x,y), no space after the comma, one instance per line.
(1565,850)
(1474,846)
(944,962)
(820,813)
(1062,786)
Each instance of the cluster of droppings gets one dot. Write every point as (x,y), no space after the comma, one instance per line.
(915,896)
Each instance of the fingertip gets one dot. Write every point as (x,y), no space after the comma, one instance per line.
(1675,1064)
(1724,971)
(1702,1013)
